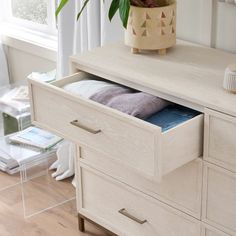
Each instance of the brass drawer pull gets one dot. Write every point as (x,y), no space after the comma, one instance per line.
(77,124)
(125,213)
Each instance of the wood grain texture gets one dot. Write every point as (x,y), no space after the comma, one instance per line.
(117,128)
(220,139)
(133,141)
(132,150)
(182,144)
(188,72)
(180,189)
(208,230)
(111,196)
(60,221)
(219,198)
(6,182)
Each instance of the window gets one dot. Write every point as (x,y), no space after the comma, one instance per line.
(38,15)
(30,10)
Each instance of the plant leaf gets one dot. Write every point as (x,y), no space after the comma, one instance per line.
(81,10)
(61,5)
(124,6)
(113,8)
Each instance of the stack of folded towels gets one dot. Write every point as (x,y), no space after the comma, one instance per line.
(132,102)
(129,101)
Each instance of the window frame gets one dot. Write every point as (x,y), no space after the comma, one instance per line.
(47,29)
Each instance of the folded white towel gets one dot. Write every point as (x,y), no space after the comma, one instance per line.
(86,88)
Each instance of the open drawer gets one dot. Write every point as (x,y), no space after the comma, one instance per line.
(134,142)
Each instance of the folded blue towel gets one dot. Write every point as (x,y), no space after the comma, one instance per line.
(172,116)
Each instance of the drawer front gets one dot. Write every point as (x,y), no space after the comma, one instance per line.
(181,188)
(219,198)
(135,143)
(126,211)
(208,230)
(220,139)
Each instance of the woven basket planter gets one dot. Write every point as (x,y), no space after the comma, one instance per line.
(151,28)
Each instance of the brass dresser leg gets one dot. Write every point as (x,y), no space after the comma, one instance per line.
(81,220)
(81,223)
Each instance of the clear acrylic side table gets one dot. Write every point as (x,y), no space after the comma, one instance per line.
(40,192)
(14,113)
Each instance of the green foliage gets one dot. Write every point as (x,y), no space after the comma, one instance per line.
(122,5)
(61,5)
(113,8)
(80,12)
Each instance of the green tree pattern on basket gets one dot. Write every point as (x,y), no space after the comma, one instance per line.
(123,6)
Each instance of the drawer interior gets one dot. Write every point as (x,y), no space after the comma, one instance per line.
(167,118)
(133,141)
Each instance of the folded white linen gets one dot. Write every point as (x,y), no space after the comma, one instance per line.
(86,88)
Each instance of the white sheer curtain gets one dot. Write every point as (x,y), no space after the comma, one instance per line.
(92,30)
(4,75)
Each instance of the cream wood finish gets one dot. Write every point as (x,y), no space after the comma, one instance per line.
(180,189)
(219,198)
(136,143)
(102,197)
(208,230)
(189,74)
(220,139)
(123,157)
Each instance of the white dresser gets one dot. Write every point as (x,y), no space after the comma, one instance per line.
(133,179)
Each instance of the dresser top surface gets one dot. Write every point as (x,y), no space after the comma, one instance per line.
(189,71)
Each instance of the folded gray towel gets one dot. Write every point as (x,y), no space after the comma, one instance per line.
(105,95)
(138,104)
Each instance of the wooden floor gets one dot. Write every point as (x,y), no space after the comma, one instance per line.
(58,221)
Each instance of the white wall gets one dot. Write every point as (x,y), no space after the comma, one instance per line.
(225,35)
(208,22)
(188,20)
(25,57)
(22,64)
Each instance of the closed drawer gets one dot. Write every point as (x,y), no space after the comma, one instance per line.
(181,188)
(208,230)
(219,198)
(220,139)
(103,198)
(136,143)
